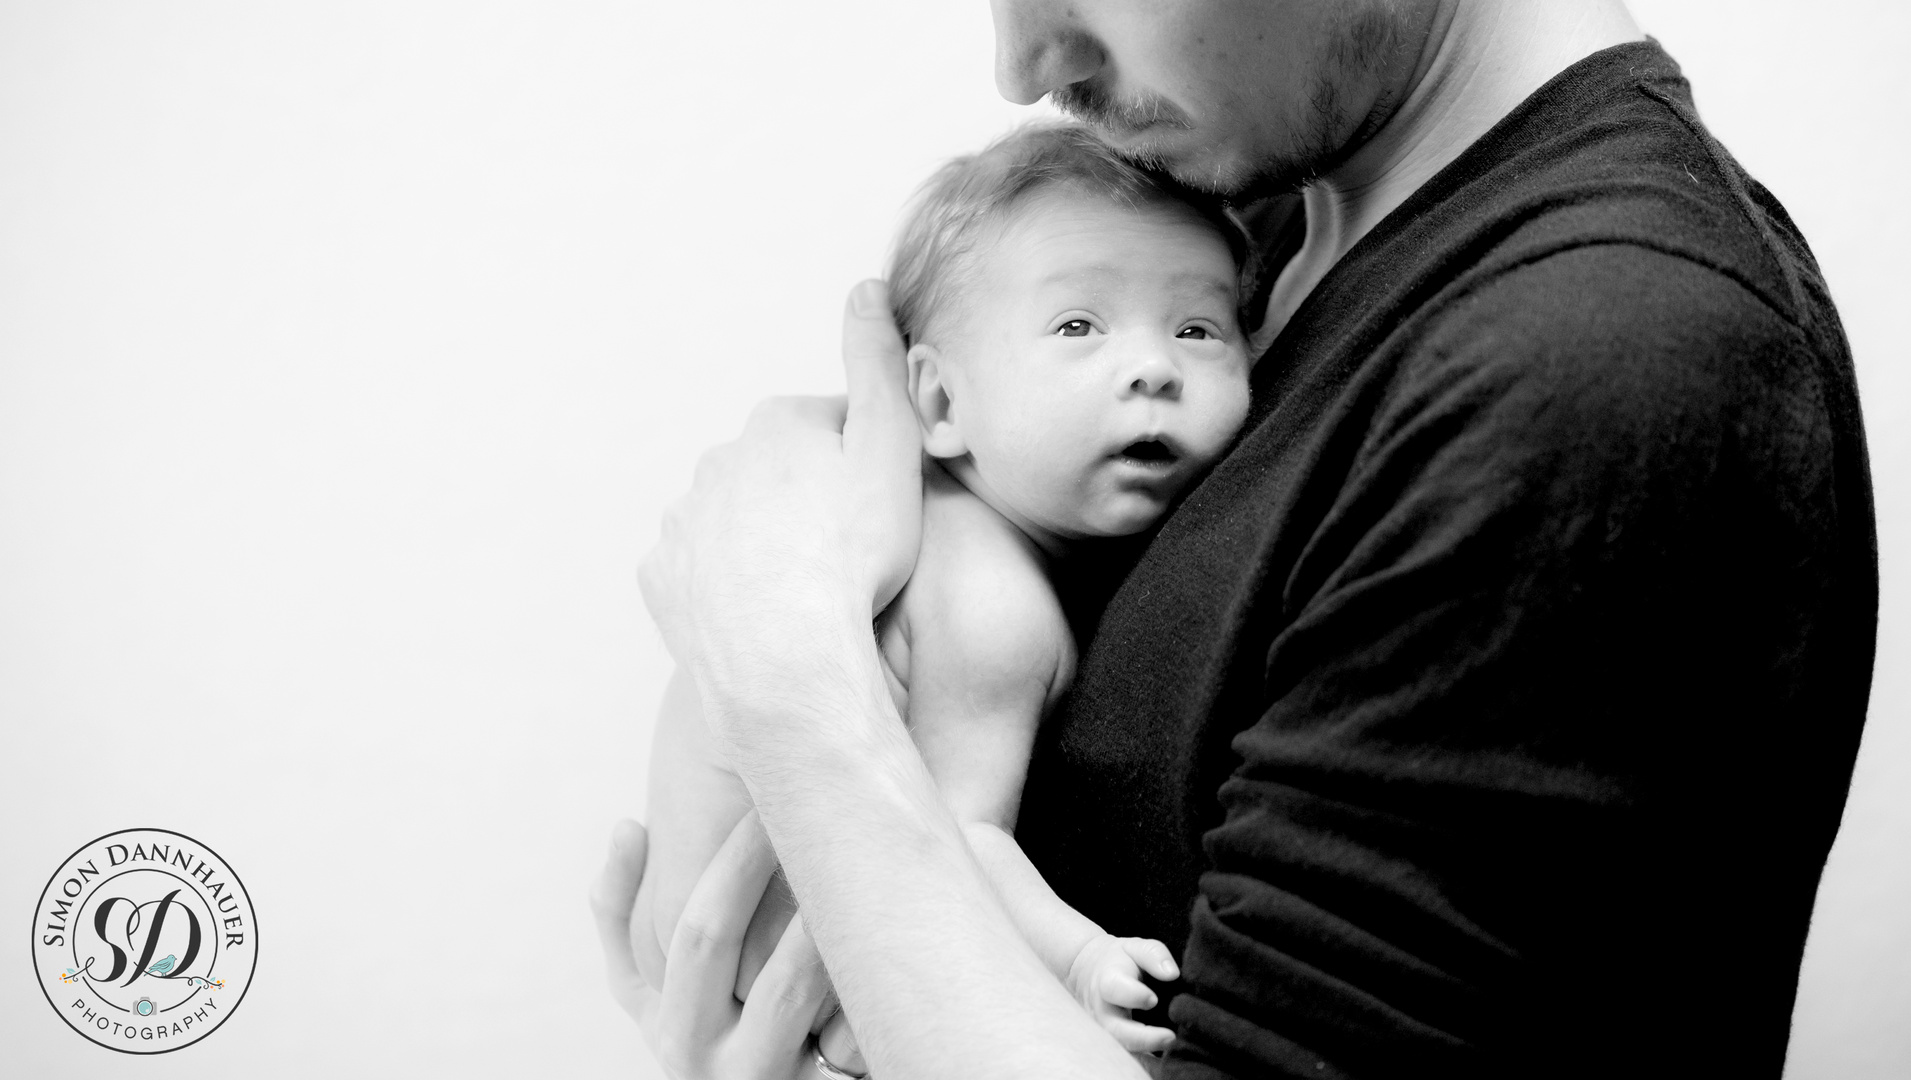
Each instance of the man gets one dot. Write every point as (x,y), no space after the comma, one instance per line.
(1488,710)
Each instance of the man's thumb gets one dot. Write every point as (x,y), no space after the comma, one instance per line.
(881,426)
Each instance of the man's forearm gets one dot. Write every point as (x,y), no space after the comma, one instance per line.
(925,958)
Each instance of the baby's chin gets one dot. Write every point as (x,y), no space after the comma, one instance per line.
(1122,514)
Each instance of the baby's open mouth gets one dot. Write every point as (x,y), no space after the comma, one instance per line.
(1149,451)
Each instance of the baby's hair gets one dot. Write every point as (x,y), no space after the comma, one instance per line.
(966,195)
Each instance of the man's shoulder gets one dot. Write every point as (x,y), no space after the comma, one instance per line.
(1613,352)
(1602,187)
(1602,245)
(1614,153)
(1587,310)
(1718,242)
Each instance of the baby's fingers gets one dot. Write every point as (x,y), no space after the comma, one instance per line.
(1137,1038)
(1125,991)
(1153,956)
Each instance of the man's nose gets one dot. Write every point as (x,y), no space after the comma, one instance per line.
(1154,376)
(1038,50)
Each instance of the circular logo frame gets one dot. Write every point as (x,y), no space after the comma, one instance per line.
(144,941)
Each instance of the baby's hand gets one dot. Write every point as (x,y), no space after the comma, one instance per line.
(1106,979)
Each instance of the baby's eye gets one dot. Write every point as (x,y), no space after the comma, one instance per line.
(1194,333)
(1073,328)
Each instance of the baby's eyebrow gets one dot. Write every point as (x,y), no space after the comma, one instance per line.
(1075,274)
(1194,281)
(1187,281)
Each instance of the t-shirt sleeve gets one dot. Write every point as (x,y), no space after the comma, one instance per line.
(1503,712)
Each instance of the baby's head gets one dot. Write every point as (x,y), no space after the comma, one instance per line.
(1076,353)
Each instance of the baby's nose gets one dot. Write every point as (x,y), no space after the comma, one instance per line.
(1155,376)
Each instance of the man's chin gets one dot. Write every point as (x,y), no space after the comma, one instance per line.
(1268,183)
(1234,182)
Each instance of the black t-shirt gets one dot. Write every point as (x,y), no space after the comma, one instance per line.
(1491,707)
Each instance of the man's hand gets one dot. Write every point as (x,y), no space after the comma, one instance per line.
(796,533)
(695,1025)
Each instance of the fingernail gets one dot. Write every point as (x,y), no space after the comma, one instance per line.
(869,299)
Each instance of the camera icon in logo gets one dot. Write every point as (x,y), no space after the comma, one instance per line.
(144,1007)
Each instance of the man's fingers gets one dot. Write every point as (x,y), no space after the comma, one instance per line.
(838,1044)
(787,996)
(614,895)
(700,975)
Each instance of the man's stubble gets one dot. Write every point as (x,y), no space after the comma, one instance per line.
(1320,132)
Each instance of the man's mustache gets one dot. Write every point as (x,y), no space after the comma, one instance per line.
(1092,104)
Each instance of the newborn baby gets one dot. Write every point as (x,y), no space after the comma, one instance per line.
(1077,361)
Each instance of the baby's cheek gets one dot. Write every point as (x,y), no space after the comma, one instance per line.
(1026,480)
(1229,410)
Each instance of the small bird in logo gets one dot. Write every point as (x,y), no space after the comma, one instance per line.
(161,967)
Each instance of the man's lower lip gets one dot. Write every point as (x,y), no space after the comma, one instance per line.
(1149,464)
(1128,137)
(1158,135)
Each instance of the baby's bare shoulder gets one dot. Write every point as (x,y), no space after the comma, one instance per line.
(980,600)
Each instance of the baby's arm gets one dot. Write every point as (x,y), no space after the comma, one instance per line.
(989,651)
(1101,970)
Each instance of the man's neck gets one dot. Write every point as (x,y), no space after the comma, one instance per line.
(1481,59)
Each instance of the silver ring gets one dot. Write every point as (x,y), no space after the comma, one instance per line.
(830,1071)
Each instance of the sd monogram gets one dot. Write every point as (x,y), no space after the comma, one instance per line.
(145,941)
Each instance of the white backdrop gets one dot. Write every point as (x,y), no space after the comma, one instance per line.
(349,351)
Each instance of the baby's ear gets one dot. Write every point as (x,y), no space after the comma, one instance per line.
(935,403)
